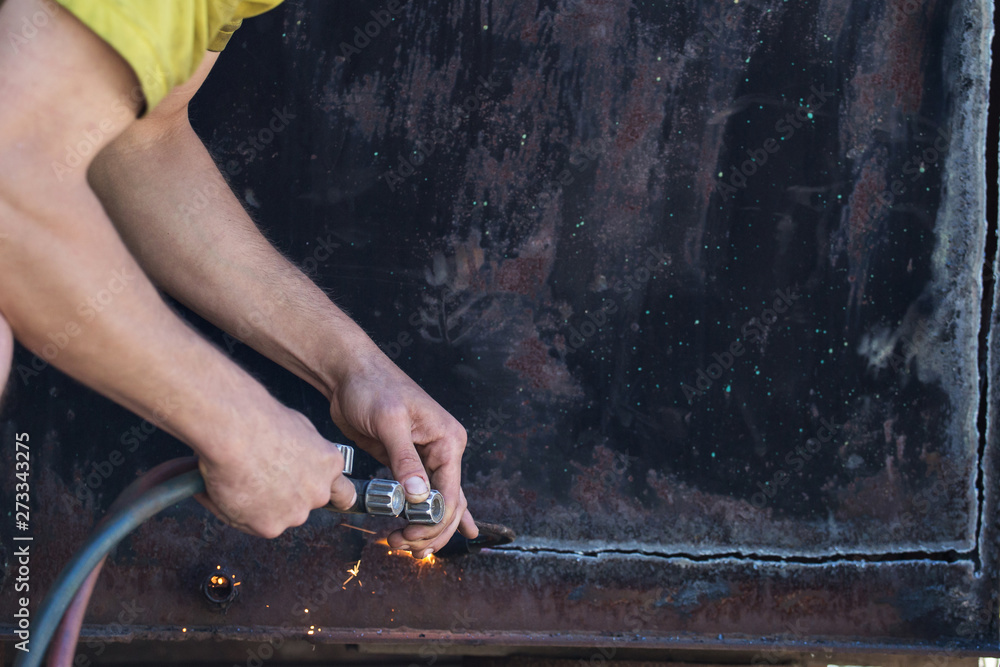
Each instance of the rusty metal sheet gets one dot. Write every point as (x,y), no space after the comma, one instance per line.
(702,279)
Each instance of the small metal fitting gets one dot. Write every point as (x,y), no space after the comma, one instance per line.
(385,497)
(348,453)
(431,511)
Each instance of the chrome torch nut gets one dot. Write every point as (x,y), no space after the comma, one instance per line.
(385,497)
(431,511)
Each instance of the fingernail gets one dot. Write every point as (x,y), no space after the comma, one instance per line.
(415,486)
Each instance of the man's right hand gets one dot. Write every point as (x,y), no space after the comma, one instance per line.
(273,474)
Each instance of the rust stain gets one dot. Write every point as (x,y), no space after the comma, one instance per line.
(534,365)
(523,275)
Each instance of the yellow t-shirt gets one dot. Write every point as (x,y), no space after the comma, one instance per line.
(164,40)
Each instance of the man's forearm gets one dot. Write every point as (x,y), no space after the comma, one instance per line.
(73,294)
(192,236)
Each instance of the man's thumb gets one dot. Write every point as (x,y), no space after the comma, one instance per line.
(343,495)
(406,465)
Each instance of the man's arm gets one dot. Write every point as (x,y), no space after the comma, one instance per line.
(73,293)
(214,259)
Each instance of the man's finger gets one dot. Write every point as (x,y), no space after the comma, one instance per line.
(468,526)
(404,461)
(343,495)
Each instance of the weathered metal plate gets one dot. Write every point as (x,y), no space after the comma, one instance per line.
(703,281)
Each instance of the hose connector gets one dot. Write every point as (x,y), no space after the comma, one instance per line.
(430,511)
(383,497)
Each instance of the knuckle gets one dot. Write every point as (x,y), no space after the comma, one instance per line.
(457,434)
(320,498)
(396,412)
(408,460)
(270,531)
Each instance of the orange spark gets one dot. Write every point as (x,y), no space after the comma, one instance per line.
(353,571)
(363,530)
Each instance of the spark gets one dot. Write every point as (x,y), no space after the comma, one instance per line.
(363,530)
(353,571)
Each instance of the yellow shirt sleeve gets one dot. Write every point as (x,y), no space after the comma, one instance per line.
(164,40)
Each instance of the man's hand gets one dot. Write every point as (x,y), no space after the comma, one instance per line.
(379,407)
(274,473)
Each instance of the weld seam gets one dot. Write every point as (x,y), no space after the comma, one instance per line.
(950,556)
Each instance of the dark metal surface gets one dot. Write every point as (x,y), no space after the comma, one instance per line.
(702,280)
